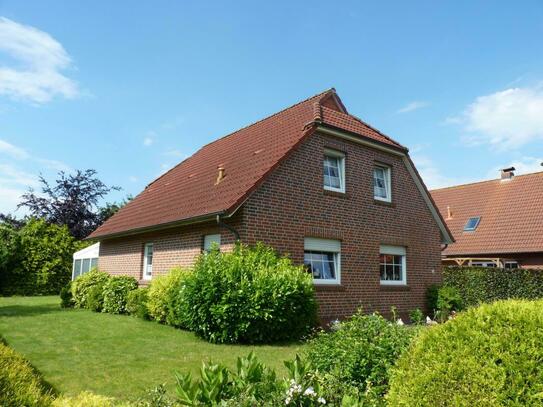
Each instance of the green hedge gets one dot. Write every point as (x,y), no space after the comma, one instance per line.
(477,285)
(88,290)
(249,295)
(20,383)
(490,355)
(115,293)
(165,298)
(136,302)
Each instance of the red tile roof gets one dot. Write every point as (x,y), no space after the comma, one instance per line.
(511,215)
(189,190)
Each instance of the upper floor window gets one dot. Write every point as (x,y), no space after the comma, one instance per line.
(472,224)
(381,183)
(210,241)
(322,258)
(148,261)
(392,262)
(334,171)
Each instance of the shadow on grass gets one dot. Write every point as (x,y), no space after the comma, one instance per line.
(28,310)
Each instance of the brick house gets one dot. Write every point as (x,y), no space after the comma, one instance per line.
(496,223)
(312,181)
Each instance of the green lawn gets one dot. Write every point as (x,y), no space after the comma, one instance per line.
(112,355)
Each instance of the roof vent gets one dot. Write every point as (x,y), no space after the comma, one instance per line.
(507,173)
(449,213)
(221,175)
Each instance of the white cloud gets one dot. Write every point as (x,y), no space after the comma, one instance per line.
(176,153)
(13,151)
(523,165)
(506,119)
(415,105)
(133,179)
(431,174)
(13,184)
(37,76)
(147,141)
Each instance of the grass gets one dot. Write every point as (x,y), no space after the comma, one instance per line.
(112,355)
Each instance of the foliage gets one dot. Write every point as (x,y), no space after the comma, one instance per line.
(416,316)
(249,295)
(110,209)
(115,293)
(20,383)
(36,259)
(443,300)
(87,290)
(11,221)
(71,202)
(486,356)
(136,302)
(66,297)
(477,285)
(166,302)
(361,352)
(88,399)
(156,397)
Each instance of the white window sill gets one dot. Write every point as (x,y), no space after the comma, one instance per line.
(377,198)
(326,282)
(340,190)
(393,283)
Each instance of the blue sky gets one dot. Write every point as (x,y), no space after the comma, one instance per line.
(131,88)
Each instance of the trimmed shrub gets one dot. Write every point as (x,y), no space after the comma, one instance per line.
(360,352)
(87,290)
(486,356)
(136,303)
(115,293)
(166,303)
(20,383)
(66,297)
(250,295)
(88,399)
(477,285)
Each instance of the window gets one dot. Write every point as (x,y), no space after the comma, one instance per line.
(472,224)
(393,265)
(148,261)
(334,171)
(94,263)
(210,240)
(322,259)
(77,268)
(86,266)
(381,183)
(511,265)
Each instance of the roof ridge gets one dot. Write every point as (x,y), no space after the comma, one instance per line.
(323,93)
(485,181)
(358,119)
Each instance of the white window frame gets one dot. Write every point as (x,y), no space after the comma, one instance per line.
(388,183)
(328,246)
(341,166)
(209,240)
(395,251)
(146,266)
(474,227)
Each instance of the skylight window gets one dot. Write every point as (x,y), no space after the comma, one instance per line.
(472,224)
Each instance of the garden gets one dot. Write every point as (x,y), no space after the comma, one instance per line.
(239,329)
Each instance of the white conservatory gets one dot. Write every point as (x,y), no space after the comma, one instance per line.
(85,260)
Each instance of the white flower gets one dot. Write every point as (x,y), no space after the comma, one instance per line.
(321,400)
(399,321)
(309,392)
(287,401)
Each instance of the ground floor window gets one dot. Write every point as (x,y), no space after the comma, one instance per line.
(322,259)
(392,262)
(148,261)
(511,265)
(82,266)
(210,240)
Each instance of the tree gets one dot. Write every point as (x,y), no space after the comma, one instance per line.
(72,201)
(111,209)
(11,221)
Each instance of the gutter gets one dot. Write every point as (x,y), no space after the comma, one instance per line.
(230,228)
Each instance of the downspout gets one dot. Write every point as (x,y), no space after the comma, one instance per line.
(230,228)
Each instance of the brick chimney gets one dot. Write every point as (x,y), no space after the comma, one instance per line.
(507,173)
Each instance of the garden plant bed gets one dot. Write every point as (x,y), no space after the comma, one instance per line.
(112,355)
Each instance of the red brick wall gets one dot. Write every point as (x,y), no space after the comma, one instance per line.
(292,204)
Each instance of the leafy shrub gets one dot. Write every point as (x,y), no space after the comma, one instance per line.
(477,285)
(486,356)
(416,316)
(136,302)
(361,352)
(115,293)
(36,259)
(442,300)
(20,384)
(88,399)
(88,287)
(66,297)
(166,302)
(249,295)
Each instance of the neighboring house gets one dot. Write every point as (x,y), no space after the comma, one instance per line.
(496,223)
(312,181)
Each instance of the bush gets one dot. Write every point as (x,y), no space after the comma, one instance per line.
(443,300)
(477,285)
(136,303)
(87,290)
(115,293)
(250,295)
(486,356)
(66,297)
(88,399)
(361,352)
(20,384)
(166,302)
